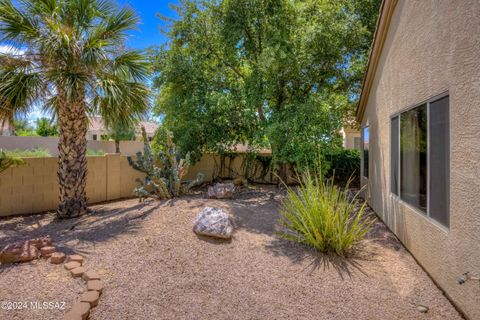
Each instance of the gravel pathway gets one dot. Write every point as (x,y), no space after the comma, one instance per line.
(154,267)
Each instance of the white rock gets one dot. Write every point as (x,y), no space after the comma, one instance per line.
(213,222)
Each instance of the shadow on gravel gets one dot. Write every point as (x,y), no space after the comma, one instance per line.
(103,224)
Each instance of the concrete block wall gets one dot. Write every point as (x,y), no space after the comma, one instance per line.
(33,188)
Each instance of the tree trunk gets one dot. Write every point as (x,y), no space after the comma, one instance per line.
(117,146)
(72,161)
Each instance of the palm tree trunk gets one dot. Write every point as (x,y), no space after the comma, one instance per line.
(72,161)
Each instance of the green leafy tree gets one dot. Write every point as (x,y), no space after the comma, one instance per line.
(46,128)
(280,74)
(75,63)
(21,127)
(119,131)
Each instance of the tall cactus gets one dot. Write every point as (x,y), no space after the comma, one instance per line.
(163,181)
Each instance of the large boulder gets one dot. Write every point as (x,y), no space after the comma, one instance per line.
(221,191)
(213,222)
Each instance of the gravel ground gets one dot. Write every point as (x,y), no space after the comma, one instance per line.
(154,267)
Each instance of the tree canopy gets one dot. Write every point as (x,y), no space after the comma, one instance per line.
(273,73)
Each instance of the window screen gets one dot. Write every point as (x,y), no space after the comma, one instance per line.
(439,161)
(413,157)
(394,146)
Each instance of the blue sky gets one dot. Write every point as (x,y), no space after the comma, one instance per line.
(149,33)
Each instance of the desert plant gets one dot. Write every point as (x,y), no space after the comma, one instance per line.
(7,161)
(319,214)
(163,181)
(46,127)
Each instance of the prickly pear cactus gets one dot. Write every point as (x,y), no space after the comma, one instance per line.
(162,181)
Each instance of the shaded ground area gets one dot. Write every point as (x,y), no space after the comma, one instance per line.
(155,267)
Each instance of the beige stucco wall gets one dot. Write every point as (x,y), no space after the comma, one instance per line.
(433,46)
(349,135)
(33,187)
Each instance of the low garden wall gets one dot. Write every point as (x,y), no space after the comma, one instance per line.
(33,187)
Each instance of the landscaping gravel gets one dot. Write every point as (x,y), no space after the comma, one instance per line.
(154,267)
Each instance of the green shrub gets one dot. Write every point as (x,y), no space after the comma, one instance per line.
(92,152)
(344,166)
(28,153)
(321,215)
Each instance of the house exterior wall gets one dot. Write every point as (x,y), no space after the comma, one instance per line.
(432,47)
(349,137)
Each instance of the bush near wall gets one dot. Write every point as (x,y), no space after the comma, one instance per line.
(344,164)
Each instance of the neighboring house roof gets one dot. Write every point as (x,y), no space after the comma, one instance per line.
(383,22)
(96,124)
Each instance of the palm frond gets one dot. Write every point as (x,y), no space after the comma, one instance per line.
(15,25)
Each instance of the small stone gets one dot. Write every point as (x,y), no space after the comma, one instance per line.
(77,272)
(422,308)
(90,297)
(72,265)
(47,251)
(80,310)
(90,275)
(95,285)
(75,257)
(57,257)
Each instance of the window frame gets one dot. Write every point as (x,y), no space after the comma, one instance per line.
(426,214)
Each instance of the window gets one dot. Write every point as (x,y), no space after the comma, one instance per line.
(413,157)
(366,140)
(394,151)
(439,161)
(419,158)
(357,143)
(94,137)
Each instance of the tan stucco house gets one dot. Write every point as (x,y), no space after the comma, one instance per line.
(351,138)
(98,131)
(419,112)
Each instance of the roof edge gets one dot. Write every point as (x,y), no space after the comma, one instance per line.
(383,23)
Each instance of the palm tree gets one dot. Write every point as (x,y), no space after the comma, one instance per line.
(72,59)
(121,132)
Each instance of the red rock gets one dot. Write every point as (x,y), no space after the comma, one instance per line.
(57,257)
(47,251)
(77,272)
(91,275)
(95,285)
(72,265)
(90,297)
(18,252)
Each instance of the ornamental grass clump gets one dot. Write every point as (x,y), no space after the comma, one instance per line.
(319,214)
